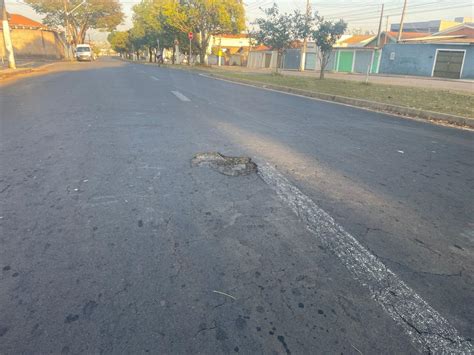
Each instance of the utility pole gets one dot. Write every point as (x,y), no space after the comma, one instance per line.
(400,30)
(386,31)
(6,37)
(305,40)
(66,30)
(379,33)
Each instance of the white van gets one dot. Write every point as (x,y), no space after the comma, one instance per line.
(84,52)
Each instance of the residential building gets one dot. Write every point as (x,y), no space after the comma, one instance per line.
(232,49)
(445,54)
(433,26)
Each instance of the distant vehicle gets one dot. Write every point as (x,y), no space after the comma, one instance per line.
(84,52)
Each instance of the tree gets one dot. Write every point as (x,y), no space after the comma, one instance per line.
(326,35)
(280,31)
(119,41)
(206,18)
(97,14)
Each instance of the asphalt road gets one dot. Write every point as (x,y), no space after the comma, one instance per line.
(112,242)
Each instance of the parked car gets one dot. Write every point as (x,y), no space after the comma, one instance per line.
(84,52)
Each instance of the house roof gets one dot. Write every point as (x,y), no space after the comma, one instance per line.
(17,20)
(408,35)
(442,39)
(260,47)
(233,35)
(356,39)
(456,28)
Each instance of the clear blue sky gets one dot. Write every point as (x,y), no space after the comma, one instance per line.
(360,14)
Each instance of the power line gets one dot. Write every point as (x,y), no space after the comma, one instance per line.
(359,18)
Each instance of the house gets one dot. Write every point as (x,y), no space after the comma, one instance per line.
(232,49)
(391,37)
(433,26)
(33,39)
(262,57)
(446,54)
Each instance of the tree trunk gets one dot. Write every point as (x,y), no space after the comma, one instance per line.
(173,59)
(204,42)
(202,55)
(150,54)
(321,74)
(278,63)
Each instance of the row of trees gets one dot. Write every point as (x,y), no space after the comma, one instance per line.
(80,15)
(169,21)
(280,31)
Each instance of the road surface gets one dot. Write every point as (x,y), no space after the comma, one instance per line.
(113,242)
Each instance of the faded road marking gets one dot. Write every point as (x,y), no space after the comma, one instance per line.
(154,78)
(425,326)
(180,96)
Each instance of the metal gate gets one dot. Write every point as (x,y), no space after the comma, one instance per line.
(448,64)
(345,61)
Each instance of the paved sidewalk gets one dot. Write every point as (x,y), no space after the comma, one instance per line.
(434,83)
(413,81)
(24,66)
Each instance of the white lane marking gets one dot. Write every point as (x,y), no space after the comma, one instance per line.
(180,96)
(154,78)
(425,326)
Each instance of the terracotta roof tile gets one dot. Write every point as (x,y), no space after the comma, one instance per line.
(20,20)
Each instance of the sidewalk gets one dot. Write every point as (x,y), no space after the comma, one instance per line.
(24,66)
(413,81)
(410,81)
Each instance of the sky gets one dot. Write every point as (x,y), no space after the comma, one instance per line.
(359,14)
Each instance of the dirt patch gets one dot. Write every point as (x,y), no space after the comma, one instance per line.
(231,166)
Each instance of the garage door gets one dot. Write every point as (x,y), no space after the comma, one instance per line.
(448,64)
(345,61)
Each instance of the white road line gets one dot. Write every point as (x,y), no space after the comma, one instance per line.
(426,327)
(154,78)
(180,96)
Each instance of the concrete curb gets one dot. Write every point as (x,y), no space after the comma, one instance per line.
(21,71)
(376,106)
(15,72)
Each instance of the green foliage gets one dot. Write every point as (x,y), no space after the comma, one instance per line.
(281,30)
(97,14)
(276,30)
(171,20)
(326,35)
(119,41)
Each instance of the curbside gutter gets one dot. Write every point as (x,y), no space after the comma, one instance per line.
(372,105)
(6,73)
(10,73)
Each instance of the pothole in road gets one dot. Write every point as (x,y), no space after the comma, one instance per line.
(231,166)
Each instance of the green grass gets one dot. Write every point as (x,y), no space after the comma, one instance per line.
(450,102)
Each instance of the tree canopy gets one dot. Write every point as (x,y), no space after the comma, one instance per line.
(170,20)
(326,35)
(97,14)
(119,41)
(282,30)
